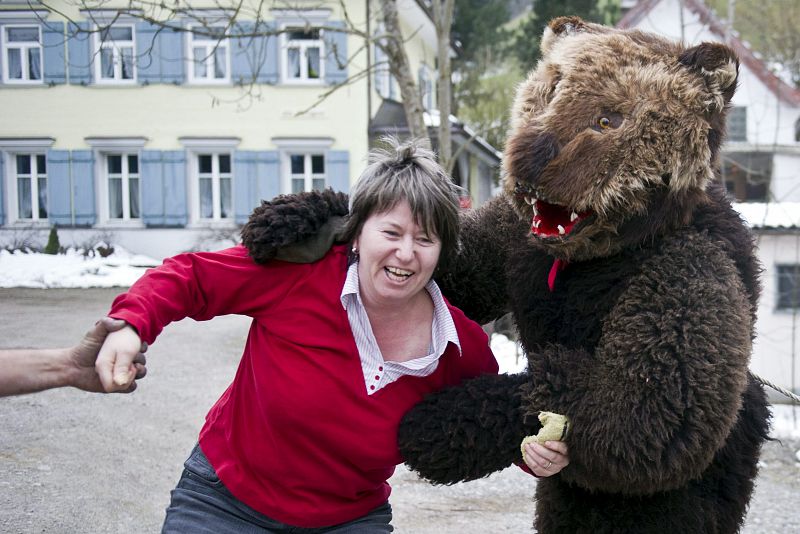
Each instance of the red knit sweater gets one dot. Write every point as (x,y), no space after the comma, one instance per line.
(295,436)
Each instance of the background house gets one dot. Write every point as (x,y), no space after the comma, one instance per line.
(163,138)
(761,169)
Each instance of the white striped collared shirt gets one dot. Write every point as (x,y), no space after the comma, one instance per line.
(377,372)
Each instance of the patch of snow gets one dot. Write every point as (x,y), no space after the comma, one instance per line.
(72,269)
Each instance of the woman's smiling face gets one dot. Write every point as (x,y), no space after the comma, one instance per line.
(396,257)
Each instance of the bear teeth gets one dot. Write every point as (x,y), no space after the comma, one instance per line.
(573,216)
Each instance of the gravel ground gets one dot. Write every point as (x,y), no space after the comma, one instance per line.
(83,463)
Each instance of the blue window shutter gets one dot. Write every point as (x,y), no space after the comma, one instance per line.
(244,53)
(83,187)
(59,191)
(148,53)
(269,55)
(337,169)
(269,174)
(245,184)
(151,188)
(53,49)
(79,53)
(171,56)
(3,189)
(335,53)
(175,197)
(257,178)
(254,58)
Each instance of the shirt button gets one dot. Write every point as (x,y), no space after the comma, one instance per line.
(377,377)
(372,387)
(380,368)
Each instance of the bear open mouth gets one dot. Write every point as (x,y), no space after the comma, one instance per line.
(550,220)
(554,220)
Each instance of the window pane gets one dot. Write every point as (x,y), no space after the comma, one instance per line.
(114,164)
(127,63)
(133,191)
(24,198)
(214,33)
(224,163)
(318,164)
(313,63)
(204,163)
(115,198)
(206,209)
(226,210)
(293,67)
(297,185)
(788,286)
(220,62)
(107,63)
(133,164)
(21,35)
(298,164)
(303,35)
(199,54)
(41,164)
(23,164)
(42,184)
(14,64)
(318,184)
(121,33)
(34,64)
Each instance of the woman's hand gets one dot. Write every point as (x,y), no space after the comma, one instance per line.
(546,460)
(116,363)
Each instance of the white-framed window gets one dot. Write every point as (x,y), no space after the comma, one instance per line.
(737,124)
(117,171)
(209,55)
(303,163)
(788,287)
(122,186)
(29,173)
(22,54)
(115,54)
(214,179)
(302,55)
(306,171)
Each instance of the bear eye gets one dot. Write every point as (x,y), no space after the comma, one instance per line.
(607,120)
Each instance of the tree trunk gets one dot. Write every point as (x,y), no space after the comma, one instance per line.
(443,19)
(401,70)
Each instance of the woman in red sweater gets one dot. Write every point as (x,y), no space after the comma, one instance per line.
(305,438)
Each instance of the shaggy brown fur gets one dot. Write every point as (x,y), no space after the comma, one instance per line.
(645,338)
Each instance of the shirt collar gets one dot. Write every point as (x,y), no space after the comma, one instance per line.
(444,329)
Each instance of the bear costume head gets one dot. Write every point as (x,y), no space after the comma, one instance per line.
(614,136)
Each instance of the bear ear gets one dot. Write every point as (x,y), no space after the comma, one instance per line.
(717,64)
(567,25)
(560,27)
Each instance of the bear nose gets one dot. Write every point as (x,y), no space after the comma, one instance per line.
(529,154)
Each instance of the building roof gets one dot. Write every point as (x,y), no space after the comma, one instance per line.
(390,119)
(770,215)
(779,88)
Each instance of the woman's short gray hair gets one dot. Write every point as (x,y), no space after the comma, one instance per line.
(407,171)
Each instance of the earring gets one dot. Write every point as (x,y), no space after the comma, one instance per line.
(355,250)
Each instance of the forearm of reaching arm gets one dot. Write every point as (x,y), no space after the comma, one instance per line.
(31,370)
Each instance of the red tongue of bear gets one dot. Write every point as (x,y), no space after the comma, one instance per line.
(549,217)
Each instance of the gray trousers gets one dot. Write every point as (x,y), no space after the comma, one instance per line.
(201,504)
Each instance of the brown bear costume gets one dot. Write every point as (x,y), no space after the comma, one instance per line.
(632,282)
